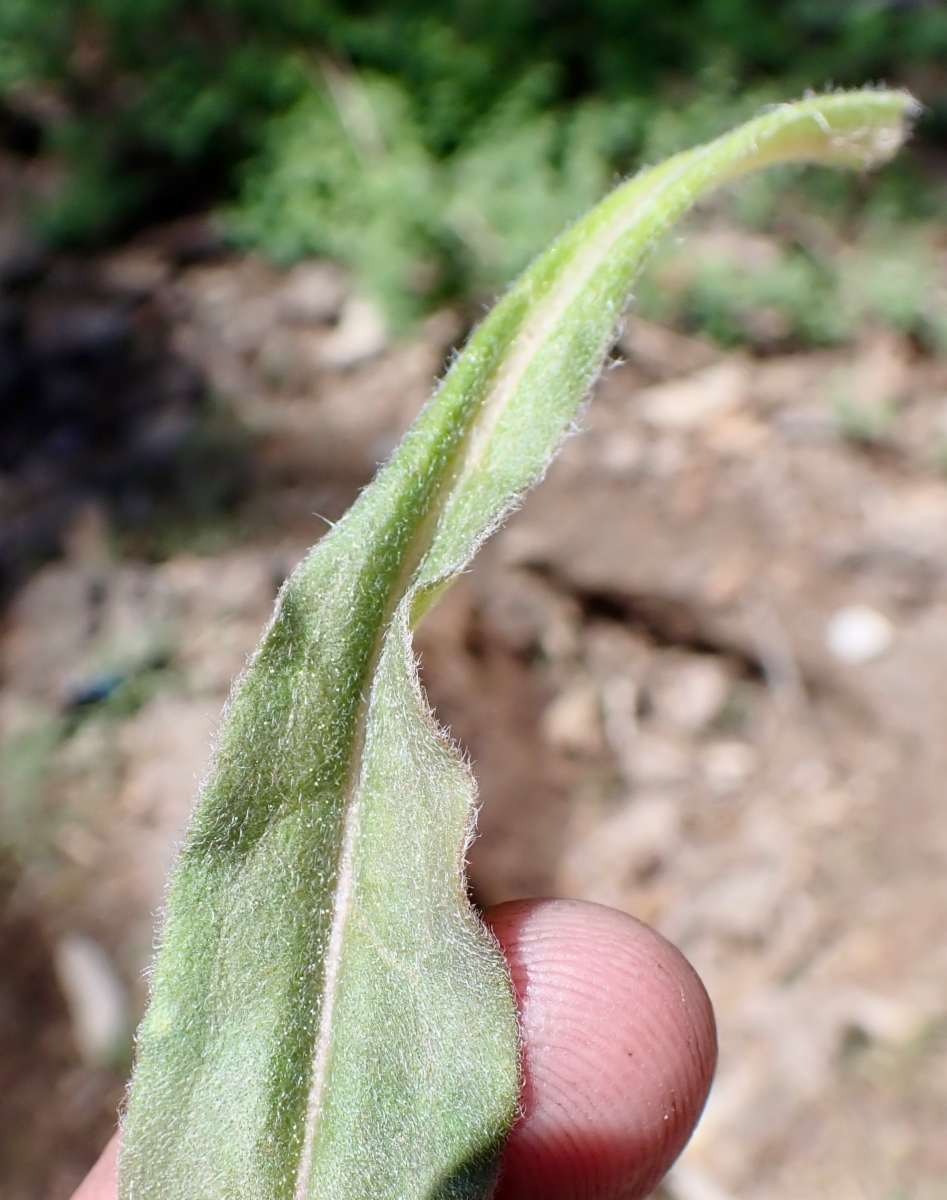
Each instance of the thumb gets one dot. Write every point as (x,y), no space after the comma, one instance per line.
(619,1048)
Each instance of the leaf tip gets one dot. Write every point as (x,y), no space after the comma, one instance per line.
(866,128)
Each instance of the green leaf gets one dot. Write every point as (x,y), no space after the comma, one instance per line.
(329,1020)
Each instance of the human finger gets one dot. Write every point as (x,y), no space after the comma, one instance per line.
(619,1048)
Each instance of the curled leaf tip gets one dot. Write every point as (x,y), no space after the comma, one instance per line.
(868,127)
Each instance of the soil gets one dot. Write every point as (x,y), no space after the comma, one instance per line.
(698,675)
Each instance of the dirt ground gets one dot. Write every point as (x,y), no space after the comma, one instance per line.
(699,675)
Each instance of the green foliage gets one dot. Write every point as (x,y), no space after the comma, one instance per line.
(346,173)
(367,193)
(158,104)
(24,763)
(328,1019)
(739,287)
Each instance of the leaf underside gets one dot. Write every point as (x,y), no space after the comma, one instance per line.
(329,1020)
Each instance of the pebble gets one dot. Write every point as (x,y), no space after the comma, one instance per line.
(685,1182)
(858,634)
(96,999)
(623,849)
(744,904)
(689,695)
(728,764)
(314,292)
(361,334)
(652,758)
(684,405)
(573,722)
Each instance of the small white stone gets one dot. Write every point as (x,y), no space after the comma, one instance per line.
(620,712)
(573,722)
(858,634)
(654,758)
(622,454)
(889,1021)
(685,1182)
(728,764)
(744,904)
(96,998)
(623,849)
(361,334)
(314,292)
(685,405)
(689,694)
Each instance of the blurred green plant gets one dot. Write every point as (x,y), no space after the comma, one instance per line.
(346,173)
(740,286)
(435,145)
(148,100)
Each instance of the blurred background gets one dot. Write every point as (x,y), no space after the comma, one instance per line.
(700,674)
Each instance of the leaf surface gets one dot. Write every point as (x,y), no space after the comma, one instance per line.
(329,1020)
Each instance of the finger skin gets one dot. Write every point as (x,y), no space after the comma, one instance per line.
(619,1048)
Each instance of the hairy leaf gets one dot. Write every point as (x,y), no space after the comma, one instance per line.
(329,1021)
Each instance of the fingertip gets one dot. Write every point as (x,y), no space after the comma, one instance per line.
(619,1048)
